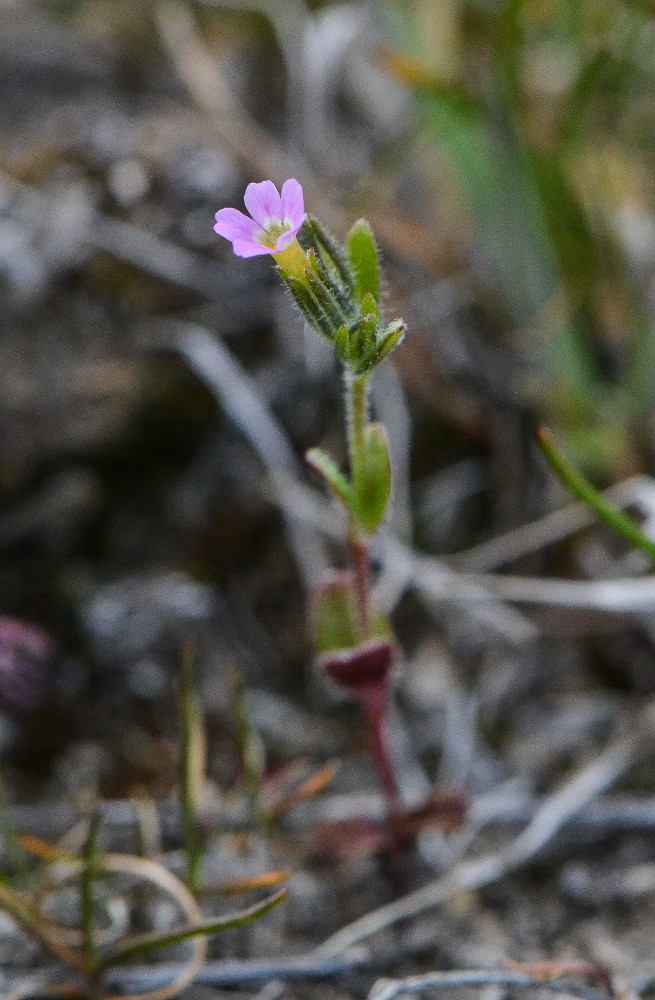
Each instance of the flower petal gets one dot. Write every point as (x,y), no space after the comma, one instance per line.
(284,239)
(248,248)
(293,203)
(263,202)
(234,225)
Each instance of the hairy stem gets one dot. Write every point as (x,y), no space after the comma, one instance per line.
(357,414)
(357,409)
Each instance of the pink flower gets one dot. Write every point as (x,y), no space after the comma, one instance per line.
(276,219)
(26,654)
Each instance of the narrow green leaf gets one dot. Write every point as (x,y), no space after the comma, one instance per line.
(342,344)
(363,256)
(146,943)
(373,486)
(335,479)
(590,496)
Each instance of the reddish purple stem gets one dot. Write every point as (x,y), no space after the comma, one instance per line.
(374,705)
(362,574)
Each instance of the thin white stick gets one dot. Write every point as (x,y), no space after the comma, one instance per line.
(389,989)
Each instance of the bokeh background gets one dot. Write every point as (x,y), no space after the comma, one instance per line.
(157,394)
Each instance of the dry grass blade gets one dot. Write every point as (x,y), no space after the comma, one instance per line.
(550,528)
(226,973)
(42,850)
(37,925)
(268,880)
(309,788)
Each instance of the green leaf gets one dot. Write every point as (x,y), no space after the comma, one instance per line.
(361,342)
(334,614)
(584,491)
(335,621)
(370,307)
(363,256)
(335,479)
(373,486)
(393,335)
(152,942)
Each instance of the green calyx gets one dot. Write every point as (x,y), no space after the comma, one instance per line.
(335,622)
(362,346)
(338,293)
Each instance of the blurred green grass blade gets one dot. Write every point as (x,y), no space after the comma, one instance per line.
(252,765)
(508,61)
(495,174)
(146,943)
(586,85)
(639,381)
(15,854)
(574,242)
(590,496)
(193,768)
(89,877)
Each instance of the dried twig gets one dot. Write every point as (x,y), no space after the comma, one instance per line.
(553,527)
(227,973)
(615,814)
(389,989)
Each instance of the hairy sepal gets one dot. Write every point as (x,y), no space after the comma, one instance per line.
(364,262)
